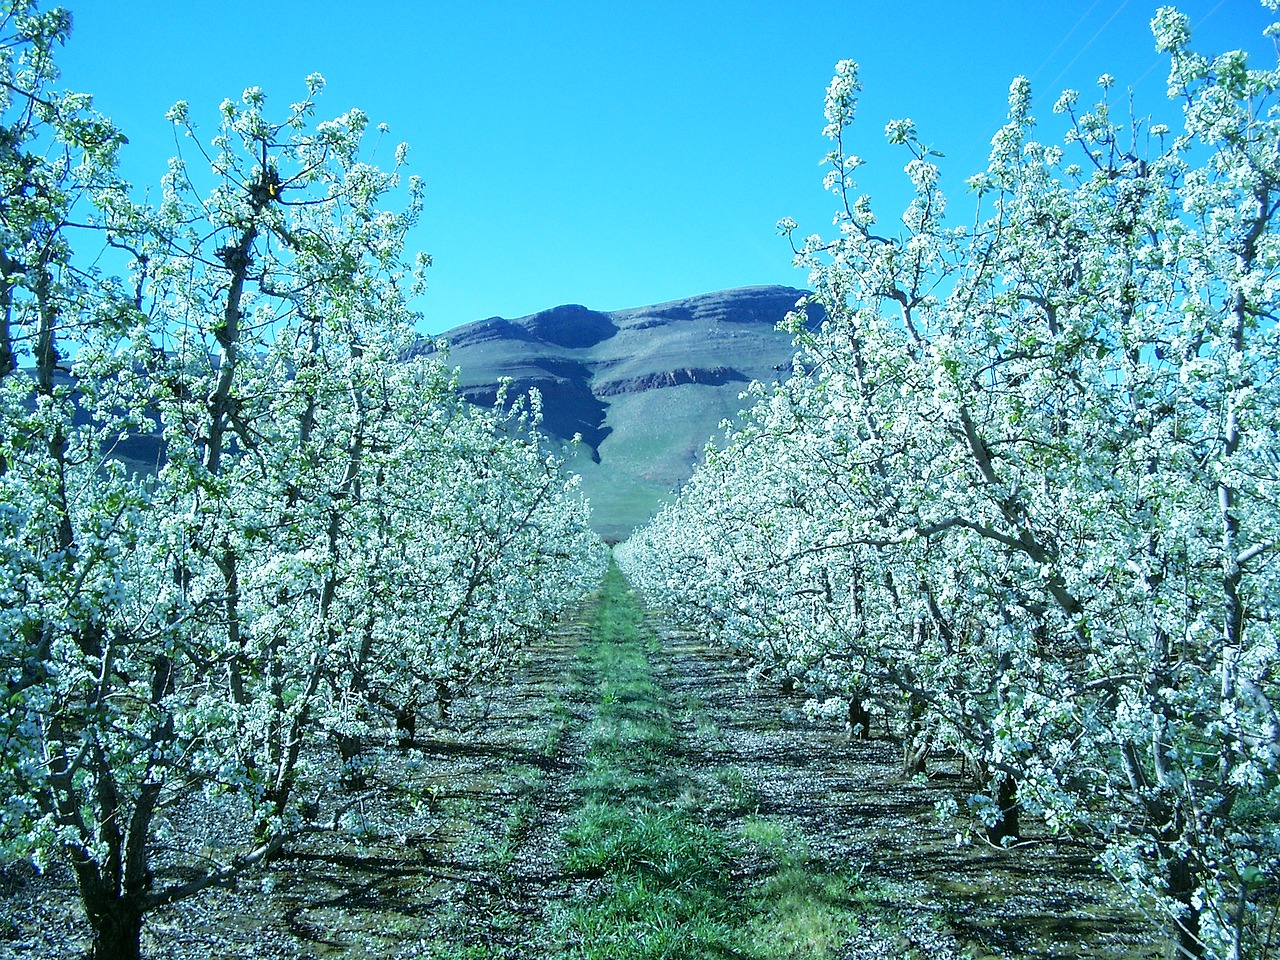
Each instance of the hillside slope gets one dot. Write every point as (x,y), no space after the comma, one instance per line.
(644,387)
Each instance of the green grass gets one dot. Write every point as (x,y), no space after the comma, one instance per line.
(514,829)
(742,797)
(665,892)
(663,846)
(668,892)
(665,882)
(561,717)
(798,910)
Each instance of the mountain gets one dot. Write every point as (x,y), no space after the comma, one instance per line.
(645,388)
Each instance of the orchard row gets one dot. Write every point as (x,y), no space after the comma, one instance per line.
(330,539)
(1020,500)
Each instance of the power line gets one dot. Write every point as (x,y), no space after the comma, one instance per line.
(1065,37)
(1079,53)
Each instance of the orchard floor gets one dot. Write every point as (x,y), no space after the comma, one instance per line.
(472,868)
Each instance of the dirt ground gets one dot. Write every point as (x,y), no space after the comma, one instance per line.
(462,862)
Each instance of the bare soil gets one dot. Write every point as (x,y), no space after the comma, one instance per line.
(462,858)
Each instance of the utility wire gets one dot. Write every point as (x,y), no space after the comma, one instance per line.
(1079,53)
(1065,37)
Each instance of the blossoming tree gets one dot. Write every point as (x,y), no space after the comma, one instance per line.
(326,527)
(1021,493)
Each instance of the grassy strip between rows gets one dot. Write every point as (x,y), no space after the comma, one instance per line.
(664,881)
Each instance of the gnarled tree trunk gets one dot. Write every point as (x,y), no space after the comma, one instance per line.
(117,929)
(917,738)
(1181,881)
(859,720)
(1008,827)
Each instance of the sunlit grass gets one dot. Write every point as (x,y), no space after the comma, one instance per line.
(666,882)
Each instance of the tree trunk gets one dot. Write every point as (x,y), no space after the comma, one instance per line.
(915,756)
(349,749)
(917,739)
(859,720)
(406,726)
(1182,878)
(1008,826)
(117,932)
(444,698)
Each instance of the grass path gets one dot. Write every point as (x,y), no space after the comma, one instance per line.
(673,879)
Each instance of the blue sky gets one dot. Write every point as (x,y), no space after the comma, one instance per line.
(619,154)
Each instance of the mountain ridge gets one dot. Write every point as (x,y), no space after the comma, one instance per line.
(644,388)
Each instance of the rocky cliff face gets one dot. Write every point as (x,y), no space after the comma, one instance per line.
(644,388)
(715,376)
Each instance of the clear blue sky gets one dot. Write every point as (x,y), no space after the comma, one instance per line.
(619,154)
